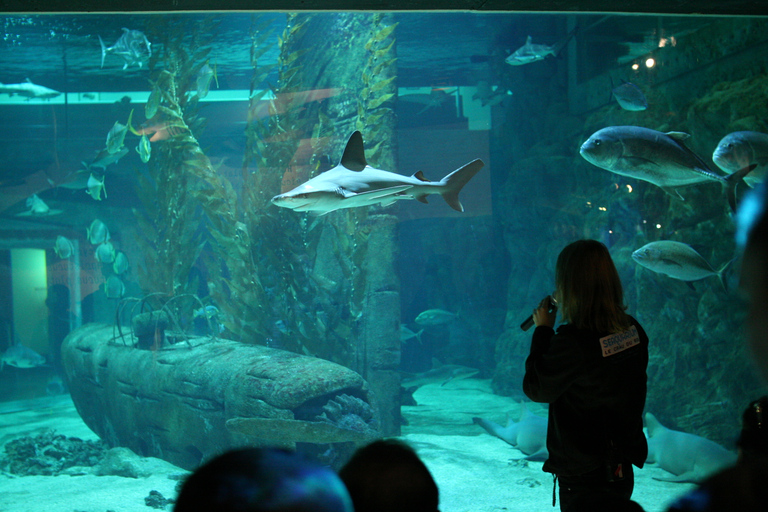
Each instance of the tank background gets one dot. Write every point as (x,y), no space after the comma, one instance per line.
(700,374)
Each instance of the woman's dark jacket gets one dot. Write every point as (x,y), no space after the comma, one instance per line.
(595,384)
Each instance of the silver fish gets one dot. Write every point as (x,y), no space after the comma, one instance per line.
(28,90)
(204,77)
(677,260)
(105,252)
(105,158)
(121,263)
(630,97)
(97,232)
(133,46)
(354,183)
(144,149)
(20,356)
(432,317)
(95,186)
(406,334)
(64,248)
(153,102)
(655,157)
(114,287)
(37,206)
(116,135)
(531,52)
(738,150)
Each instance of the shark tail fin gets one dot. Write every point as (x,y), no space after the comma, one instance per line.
(456,180)
(103,51)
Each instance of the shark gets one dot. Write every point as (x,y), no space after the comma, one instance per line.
(20,356)
(531,52)
(28,90)
(354,183)
(529,434)
(687,456)
(439,374)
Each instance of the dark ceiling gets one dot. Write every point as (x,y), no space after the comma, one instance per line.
(710,7)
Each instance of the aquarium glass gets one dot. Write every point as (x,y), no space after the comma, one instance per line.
(209,237)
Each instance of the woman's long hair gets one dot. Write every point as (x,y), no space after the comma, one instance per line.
(589,288)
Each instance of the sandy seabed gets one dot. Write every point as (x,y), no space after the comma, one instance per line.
(475,472)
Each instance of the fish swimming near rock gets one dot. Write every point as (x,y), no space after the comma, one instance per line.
(105,252)
(204,77)
(63,247)
(37,208)
(144,149)
(116,135)
(28,90)
(433,317)
(630,97)
(439,374)
(97,232)
(114,287)
(687,456)
(19,356)
(133,46)
(656,157)
(531,52)
(121,263)
(104,158)
(95,187)
(677,260)
(354,183)
(738,150)
(529,434)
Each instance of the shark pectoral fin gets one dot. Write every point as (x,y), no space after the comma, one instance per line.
(384,192)
(539,456)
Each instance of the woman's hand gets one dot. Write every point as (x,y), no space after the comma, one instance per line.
(542,314)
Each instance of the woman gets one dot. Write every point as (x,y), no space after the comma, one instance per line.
(592,373)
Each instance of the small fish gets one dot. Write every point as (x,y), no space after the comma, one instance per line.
(488,96)
(20,356)
(153,102)
(133,46)
(64,248)
(95,187)
(655,157)
(116,135)
(97,232)
(407,334)
(105,158)
(531,52)
(37,206)
(209,311)
(89,95)
(738,150)
(55,386)
(204,77)
(121,263)
(28,90)
(630,97)
(677,260)
(114,287)
(432,317)
(105,252)
(144,149)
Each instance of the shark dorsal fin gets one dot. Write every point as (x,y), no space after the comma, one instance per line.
(420,176)
(528,40)
(354,154)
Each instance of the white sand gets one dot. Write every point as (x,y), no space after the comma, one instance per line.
(475,471)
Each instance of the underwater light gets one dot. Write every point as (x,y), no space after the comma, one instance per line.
(650,62)
(629,188)
(602,208)
(635,66)
(658,226)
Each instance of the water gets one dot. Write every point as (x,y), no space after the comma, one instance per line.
(204,247)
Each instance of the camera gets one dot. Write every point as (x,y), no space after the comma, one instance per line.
(528,323)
